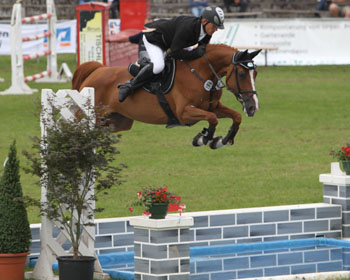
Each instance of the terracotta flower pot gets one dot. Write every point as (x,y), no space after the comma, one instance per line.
(12,266)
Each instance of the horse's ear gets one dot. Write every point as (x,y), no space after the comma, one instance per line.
(254,54)
(240,56)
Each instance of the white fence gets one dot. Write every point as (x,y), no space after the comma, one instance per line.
(67,102)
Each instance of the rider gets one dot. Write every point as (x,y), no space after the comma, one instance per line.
(178,36)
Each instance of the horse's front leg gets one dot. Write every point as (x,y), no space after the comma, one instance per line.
(192,115)
(223,111)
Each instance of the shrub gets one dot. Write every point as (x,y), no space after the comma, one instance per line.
(15,234)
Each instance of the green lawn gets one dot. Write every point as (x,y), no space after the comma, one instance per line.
(276,160)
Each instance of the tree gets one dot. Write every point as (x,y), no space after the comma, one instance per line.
(74,162)
(15,234)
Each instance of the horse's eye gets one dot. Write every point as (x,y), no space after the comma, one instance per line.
(241,75)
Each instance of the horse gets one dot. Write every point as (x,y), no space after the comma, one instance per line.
(194,96)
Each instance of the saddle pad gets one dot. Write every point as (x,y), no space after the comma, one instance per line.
(166,78)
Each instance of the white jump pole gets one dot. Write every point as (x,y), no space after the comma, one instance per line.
(18,81)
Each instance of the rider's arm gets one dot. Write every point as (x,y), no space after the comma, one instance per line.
(135,39)
(188,55)
(184,34)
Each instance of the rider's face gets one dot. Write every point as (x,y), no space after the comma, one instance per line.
(210,28)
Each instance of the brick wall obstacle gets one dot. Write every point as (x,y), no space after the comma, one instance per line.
(222,227)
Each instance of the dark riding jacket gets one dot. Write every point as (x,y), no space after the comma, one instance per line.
(176,34)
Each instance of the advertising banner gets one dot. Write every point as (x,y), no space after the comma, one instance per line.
(90,36)
(65,36)
(299,41)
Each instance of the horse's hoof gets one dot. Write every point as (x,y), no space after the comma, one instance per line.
(216,143)
(228,142)
(199,140)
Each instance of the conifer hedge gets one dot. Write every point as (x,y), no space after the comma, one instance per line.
(15,234)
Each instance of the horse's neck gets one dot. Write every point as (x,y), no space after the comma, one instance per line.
(220,56)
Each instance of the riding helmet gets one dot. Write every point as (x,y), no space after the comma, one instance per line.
(214,15)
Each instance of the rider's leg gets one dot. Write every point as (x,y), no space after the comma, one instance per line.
(142,77)
(156,55)
(156,66)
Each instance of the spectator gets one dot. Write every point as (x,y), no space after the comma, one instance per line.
(114,8)
(335,7)
(84,1)
(323,5)
(197,7)
(338,10)
(242,4)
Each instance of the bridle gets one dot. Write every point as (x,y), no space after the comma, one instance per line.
(247,64)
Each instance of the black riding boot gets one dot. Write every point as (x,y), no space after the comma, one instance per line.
(130,86)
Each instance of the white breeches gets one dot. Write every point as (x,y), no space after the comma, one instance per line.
(156,55)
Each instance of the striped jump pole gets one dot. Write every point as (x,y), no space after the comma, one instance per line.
(18,81)
(36,18)
(37,76)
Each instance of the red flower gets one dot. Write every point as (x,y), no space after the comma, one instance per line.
(130,209)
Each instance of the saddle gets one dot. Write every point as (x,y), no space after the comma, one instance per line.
(165,79)
(160,85)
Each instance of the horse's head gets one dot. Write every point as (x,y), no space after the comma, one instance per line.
(240,81)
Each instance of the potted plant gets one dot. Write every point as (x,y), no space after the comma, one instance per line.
(74,163)
(155,200)
(15,234)
(343,155)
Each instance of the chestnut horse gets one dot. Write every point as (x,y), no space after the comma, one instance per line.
(195,94)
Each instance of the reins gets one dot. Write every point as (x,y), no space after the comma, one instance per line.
(208,84)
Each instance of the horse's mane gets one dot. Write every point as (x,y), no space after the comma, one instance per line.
(216,46)
(83,71)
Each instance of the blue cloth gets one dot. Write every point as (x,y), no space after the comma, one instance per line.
(84,1)
(197,7)
(323,5)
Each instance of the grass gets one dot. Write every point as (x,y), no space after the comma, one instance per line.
(276,160)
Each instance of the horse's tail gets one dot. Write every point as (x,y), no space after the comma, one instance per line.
(82,72)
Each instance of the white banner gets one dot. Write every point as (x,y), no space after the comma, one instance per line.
(65,35)
(299,41)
